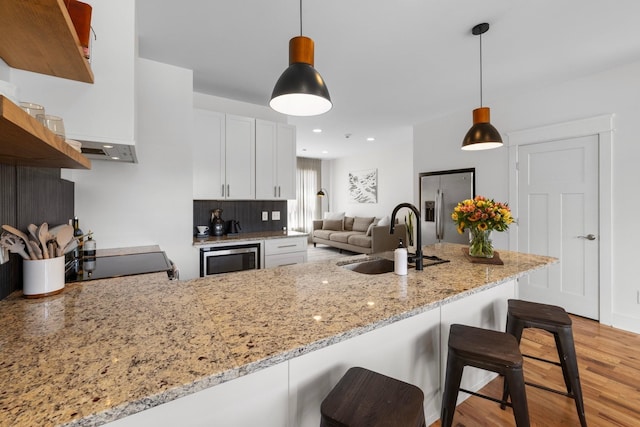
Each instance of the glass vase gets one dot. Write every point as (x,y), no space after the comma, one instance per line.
(480,244)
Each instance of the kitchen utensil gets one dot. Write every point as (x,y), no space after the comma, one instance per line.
(14,245)
(63,237)
(70,246)
(21,235)
(33,230)
(36,248)
(43,233)
(51,249)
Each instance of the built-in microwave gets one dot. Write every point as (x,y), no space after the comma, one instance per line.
(228,258)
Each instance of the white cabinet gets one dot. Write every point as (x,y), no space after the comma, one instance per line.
(240,157)
(103,111)
(285,251)
(275,161)
(208,154)
(223,156)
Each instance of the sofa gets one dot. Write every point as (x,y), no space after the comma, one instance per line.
(365,235)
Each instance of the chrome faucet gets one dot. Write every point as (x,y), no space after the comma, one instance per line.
(418,257)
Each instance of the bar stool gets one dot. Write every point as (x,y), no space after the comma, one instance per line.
(553,319)
(364,398)
(489,350)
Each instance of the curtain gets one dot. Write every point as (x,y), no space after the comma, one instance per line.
(306,207)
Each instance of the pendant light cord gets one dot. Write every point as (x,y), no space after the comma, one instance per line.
(480,69)
(300,17)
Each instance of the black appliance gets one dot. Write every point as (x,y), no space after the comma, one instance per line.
(103,267)
(227,258)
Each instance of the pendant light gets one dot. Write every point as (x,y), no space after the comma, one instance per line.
(482,135)
(300,90)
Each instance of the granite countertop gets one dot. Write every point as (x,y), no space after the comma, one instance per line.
(106,349)
(240,237)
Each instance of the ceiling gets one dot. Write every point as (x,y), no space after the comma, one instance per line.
(388,64)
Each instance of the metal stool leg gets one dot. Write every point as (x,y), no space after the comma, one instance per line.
(515,379)
(451,386)
(566,346)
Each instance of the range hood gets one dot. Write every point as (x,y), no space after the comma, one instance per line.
(111,152)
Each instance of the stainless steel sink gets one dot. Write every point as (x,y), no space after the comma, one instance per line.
(375,266)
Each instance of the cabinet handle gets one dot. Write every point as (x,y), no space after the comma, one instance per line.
(275,191)
(222,190)
(287,246)
(228,191)
(279,193)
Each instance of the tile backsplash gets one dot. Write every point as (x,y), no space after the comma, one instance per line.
(247,212)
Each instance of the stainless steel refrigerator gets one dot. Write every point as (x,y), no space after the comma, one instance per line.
(440,192)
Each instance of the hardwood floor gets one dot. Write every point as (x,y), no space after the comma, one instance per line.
(609,365)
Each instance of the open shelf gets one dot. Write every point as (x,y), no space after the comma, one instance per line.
(38,36)
(24,141)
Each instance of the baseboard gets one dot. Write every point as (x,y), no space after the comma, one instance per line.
(627,323)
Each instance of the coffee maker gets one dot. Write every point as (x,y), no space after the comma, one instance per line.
(217,223)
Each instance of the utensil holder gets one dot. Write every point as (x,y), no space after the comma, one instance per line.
(43,277)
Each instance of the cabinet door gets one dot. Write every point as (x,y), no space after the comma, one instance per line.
(240,163)
(208,155)
(266,141)
(275,161)
(286,162)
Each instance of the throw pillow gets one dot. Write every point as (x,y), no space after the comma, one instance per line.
(370,229)
(333,215)
(332,224)
(385,221)
(348,223)
(361,224)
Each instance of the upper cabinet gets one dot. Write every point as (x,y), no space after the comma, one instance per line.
(241,158)
(39,36)
(223,156)
(104,111)
(275,161)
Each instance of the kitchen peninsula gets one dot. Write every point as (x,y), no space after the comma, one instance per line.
(234,349)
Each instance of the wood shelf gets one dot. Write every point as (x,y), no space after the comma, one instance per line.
(24,141)
(38,36)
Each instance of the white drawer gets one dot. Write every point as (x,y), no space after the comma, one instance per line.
(285,245)
(271,261)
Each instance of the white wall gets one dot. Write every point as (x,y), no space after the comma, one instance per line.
(396,180)
(149,202)
(615,91)
(5,71)
(238,108)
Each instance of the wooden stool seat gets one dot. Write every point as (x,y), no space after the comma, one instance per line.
(489,350)
(364,398)
(555,320)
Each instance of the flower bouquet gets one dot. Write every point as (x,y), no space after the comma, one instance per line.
(481,216)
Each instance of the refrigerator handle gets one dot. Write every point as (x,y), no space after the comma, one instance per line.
(439,223)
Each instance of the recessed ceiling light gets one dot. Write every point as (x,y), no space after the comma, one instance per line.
(325,152)
(371,138)
(115,158)
(107,146)
(316,130)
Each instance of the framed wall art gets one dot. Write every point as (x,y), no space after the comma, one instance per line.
(363,186)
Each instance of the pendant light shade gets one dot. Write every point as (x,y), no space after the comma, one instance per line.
(482,135)
(300,90)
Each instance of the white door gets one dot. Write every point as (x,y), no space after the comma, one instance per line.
(558,216)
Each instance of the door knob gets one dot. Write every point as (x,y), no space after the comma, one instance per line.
(588,237)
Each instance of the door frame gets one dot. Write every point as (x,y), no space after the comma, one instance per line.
(601,126)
